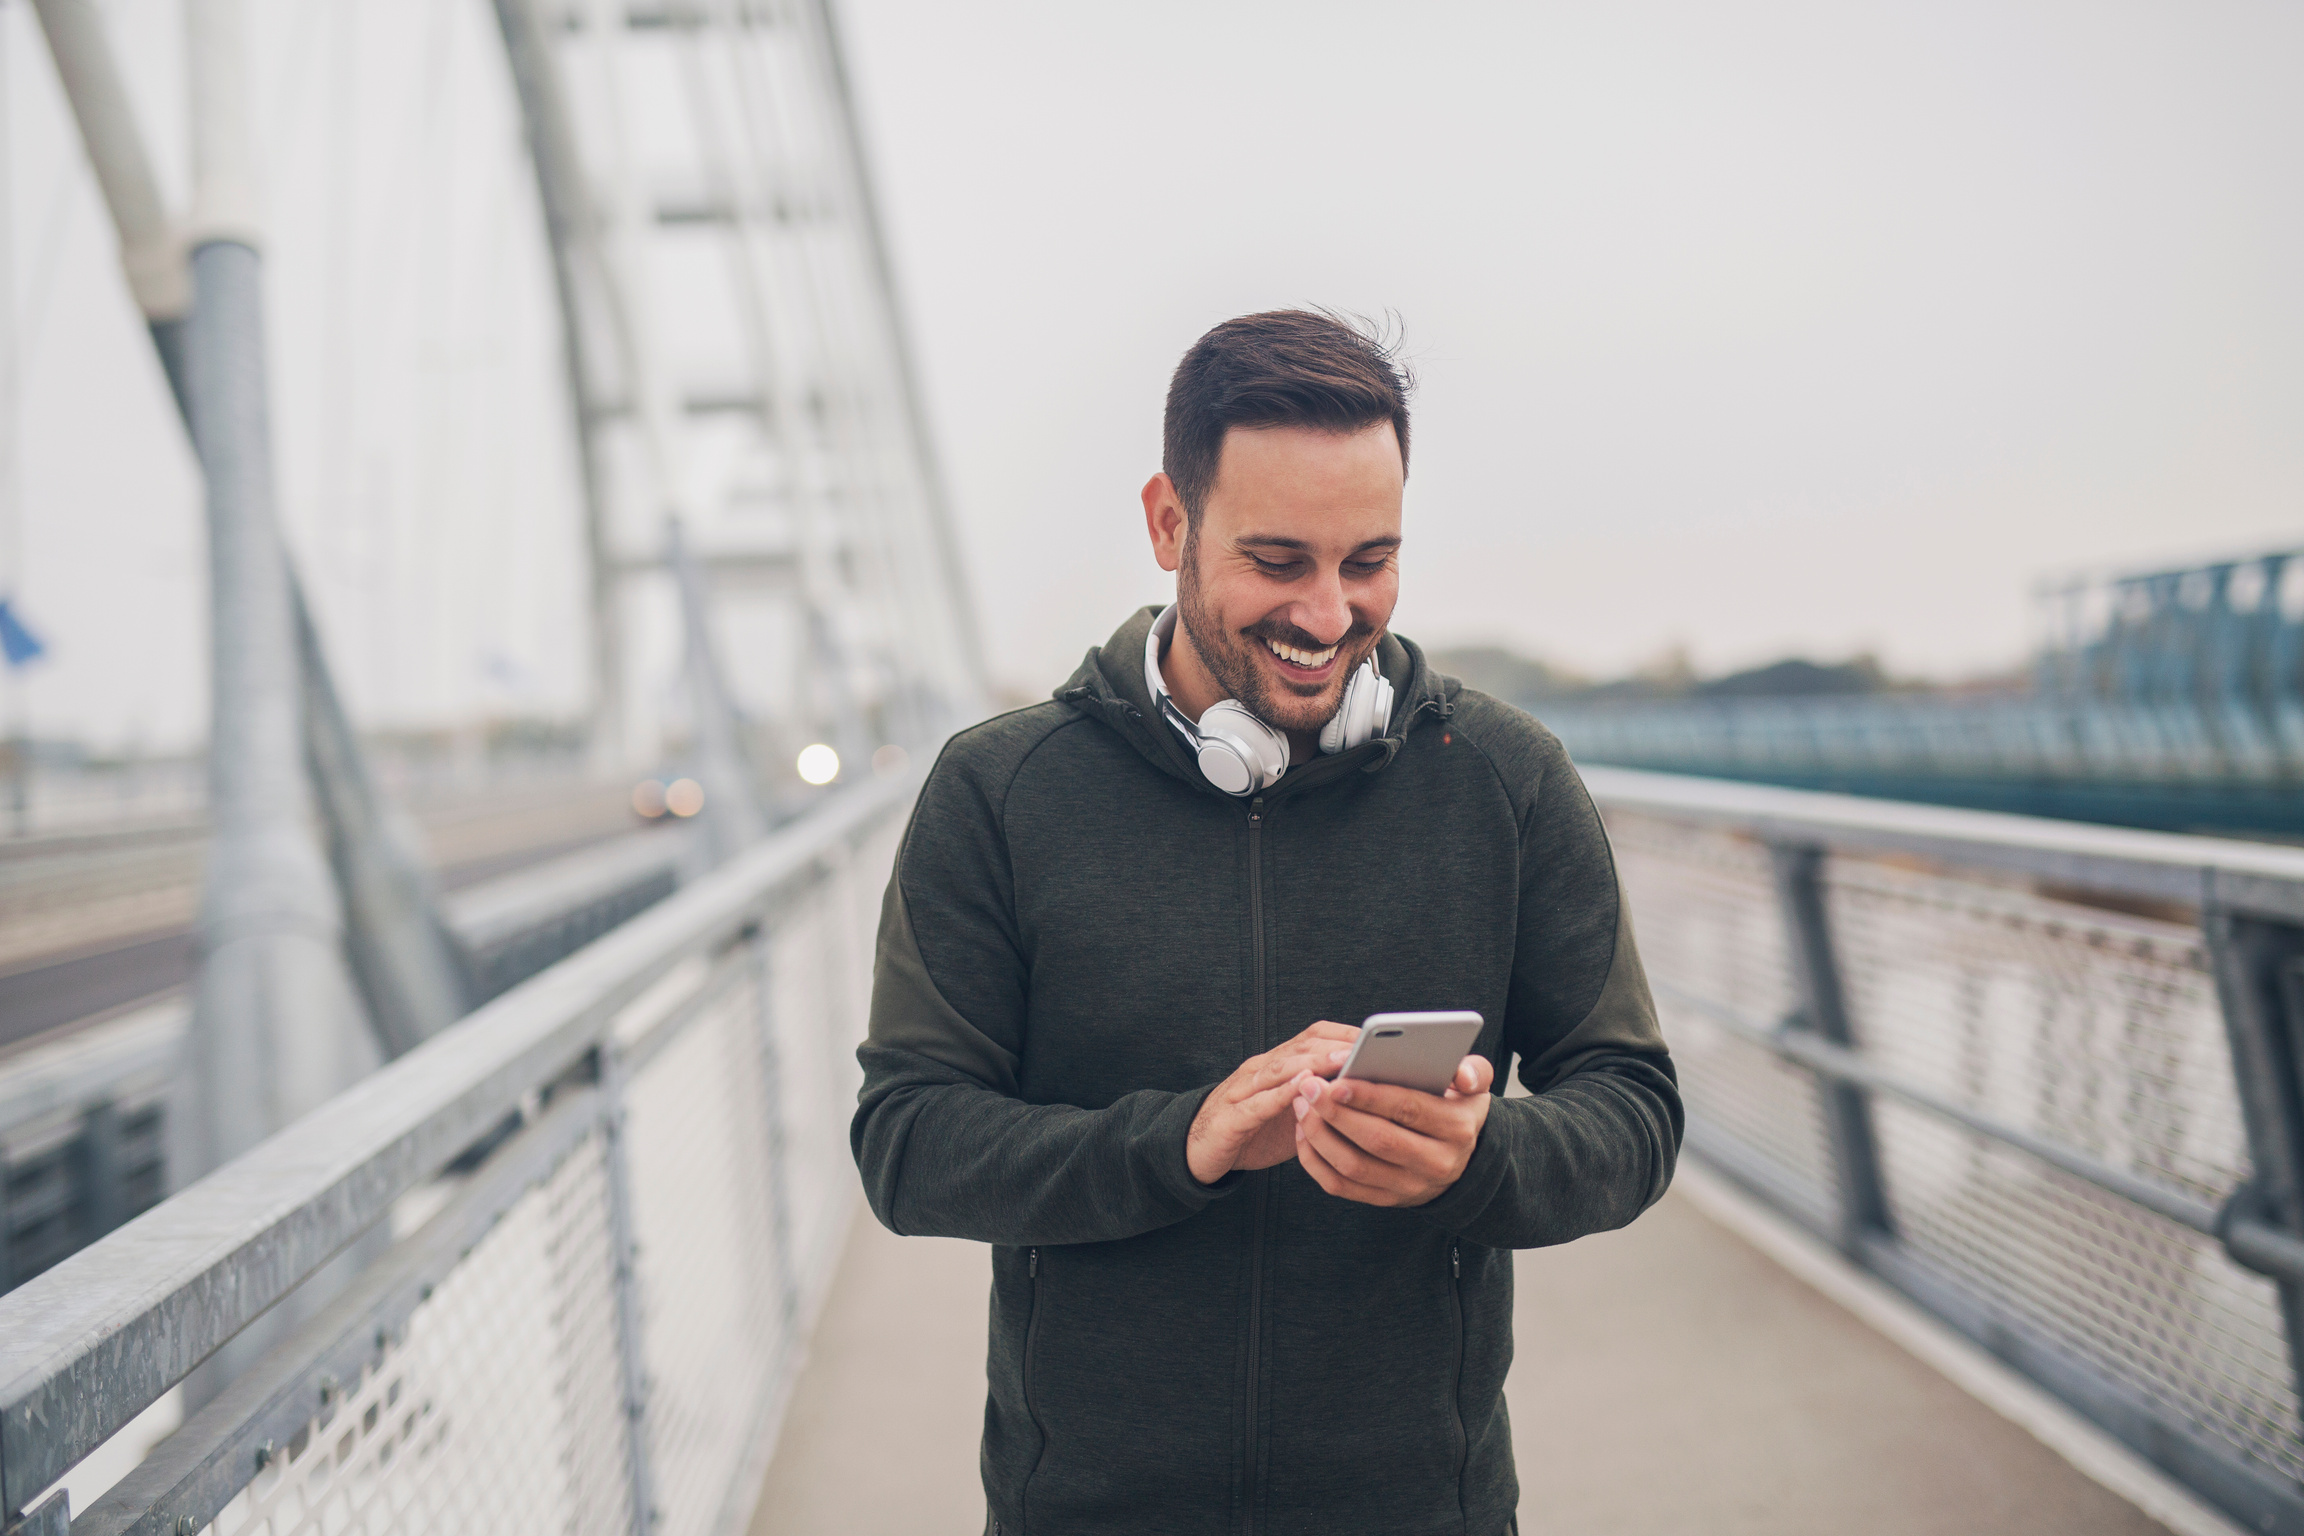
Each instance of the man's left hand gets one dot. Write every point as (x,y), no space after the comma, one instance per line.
(1385,1145)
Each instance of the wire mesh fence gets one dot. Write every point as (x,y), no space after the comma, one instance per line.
(2028,1046)
(498,1407)
(587,1321)
(1707,921)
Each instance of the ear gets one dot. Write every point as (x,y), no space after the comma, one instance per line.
(1164,520)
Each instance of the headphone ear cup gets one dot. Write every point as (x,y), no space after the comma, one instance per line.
(1379,703)
(1363,705)
(1222,765)
(1263,751)
(1335,732)
(1366,708)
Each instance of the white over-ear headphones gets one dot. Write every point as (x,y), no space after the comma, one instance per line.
(1239,753)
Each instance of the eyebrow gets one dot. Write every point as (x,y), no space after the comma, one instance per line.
(1282,541)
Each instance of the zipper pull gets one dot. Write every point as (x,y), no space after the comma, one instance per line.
(1032,1264)
(1455,1262)
(1256,809)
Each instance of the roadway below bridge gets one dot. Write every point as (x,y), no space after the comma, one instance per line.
(1678,1376)
(93,922)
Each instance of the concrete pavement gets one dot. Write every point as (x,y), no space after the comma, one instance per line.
(1670,1378)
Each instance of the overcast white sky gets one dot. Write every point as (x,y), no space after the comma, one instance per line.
(1762,327)
(1759,328)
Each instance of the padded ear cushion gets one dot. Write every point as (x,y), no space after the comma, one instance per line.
(1263,750)
(1366,710)
(1332,734)
(1379,704)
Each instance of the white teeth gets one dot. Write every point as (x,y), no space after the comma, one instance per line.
(1301,658)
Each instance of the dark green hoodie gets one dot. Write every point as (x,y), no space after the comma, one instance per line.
(1083,937)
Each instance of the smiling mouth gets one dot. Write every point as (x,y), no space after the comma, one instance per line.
(1298,657)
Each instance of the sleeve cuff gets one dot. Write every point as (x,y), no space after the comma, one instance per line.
(1169,1132)
(1461,1203)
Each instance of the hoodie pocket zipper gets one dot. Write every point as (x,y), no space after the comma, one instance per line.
(1456,1398)
(1031,1339)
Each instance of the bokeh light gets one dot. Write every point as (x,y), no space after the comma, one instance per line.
(819,764)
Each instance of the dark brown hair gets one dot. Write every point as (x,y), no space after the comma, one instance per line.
(1283,368)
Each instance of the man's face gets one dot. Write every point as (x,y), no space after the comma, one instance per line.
(1288,581)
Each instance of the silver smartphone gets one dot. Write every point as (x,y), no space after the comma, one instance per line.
(1413,1050)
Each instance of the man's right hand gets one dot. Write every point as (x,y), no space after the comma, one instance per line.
(1247,1121)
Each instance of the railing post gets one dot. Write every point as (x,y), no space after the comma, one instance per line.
(1824,1012)
(102,1206)
(52,1518)
(2262,995)
(627,1280)
(780,1225)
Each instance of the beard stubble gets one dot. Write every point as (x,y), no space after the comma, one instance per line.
(1228,659)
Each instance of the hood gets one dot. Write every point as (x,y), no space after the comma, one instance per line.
(1109,685)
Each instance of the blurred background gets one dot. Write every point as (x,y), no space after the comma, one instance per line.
(1744,333)
(470,469)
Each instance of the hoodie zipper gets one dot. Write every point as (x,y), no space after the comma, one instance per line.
(1263,1179)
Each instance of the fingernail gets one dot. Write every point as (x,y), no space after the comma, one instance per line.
(1314,1087)
(1303,1108)
(1343,1092)
(1336,1058)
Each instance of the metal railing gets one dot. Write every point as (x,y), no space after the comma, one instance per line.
(608,1203)
(83,1120)
(2042,1077)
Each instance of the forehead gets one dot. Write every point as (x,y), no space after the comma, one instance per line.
(1304,484)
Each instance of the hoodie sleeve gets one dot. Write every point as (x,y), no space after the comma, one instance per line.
(1595,1143)
(946,1144)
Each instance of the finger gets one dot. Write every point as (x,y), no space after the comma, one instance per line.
(1424,1112)
(1474,1075)
(1257,1108)
(1317,1063)
(1278,1067)
(1359,1163)
(1309,1159)
(1324,1174)
(1327,1030)
(1387,1140)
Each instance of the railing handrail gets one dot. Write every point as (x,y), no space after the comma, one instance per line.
(2266,879)
(2262,879)
(90,1343)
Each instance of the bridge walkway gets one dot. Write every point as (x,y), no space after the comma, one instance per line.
(1670,1378)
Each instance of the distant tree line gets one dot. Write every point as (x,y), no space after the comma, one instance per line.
(1509,675)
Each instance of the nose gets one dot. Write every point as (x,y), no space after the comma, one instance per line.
(1324,613)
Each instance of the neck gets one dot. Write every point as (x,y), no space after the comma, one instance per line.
(1194,688)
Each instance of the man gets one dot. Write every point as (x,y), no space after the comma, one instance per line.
(1128,936)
